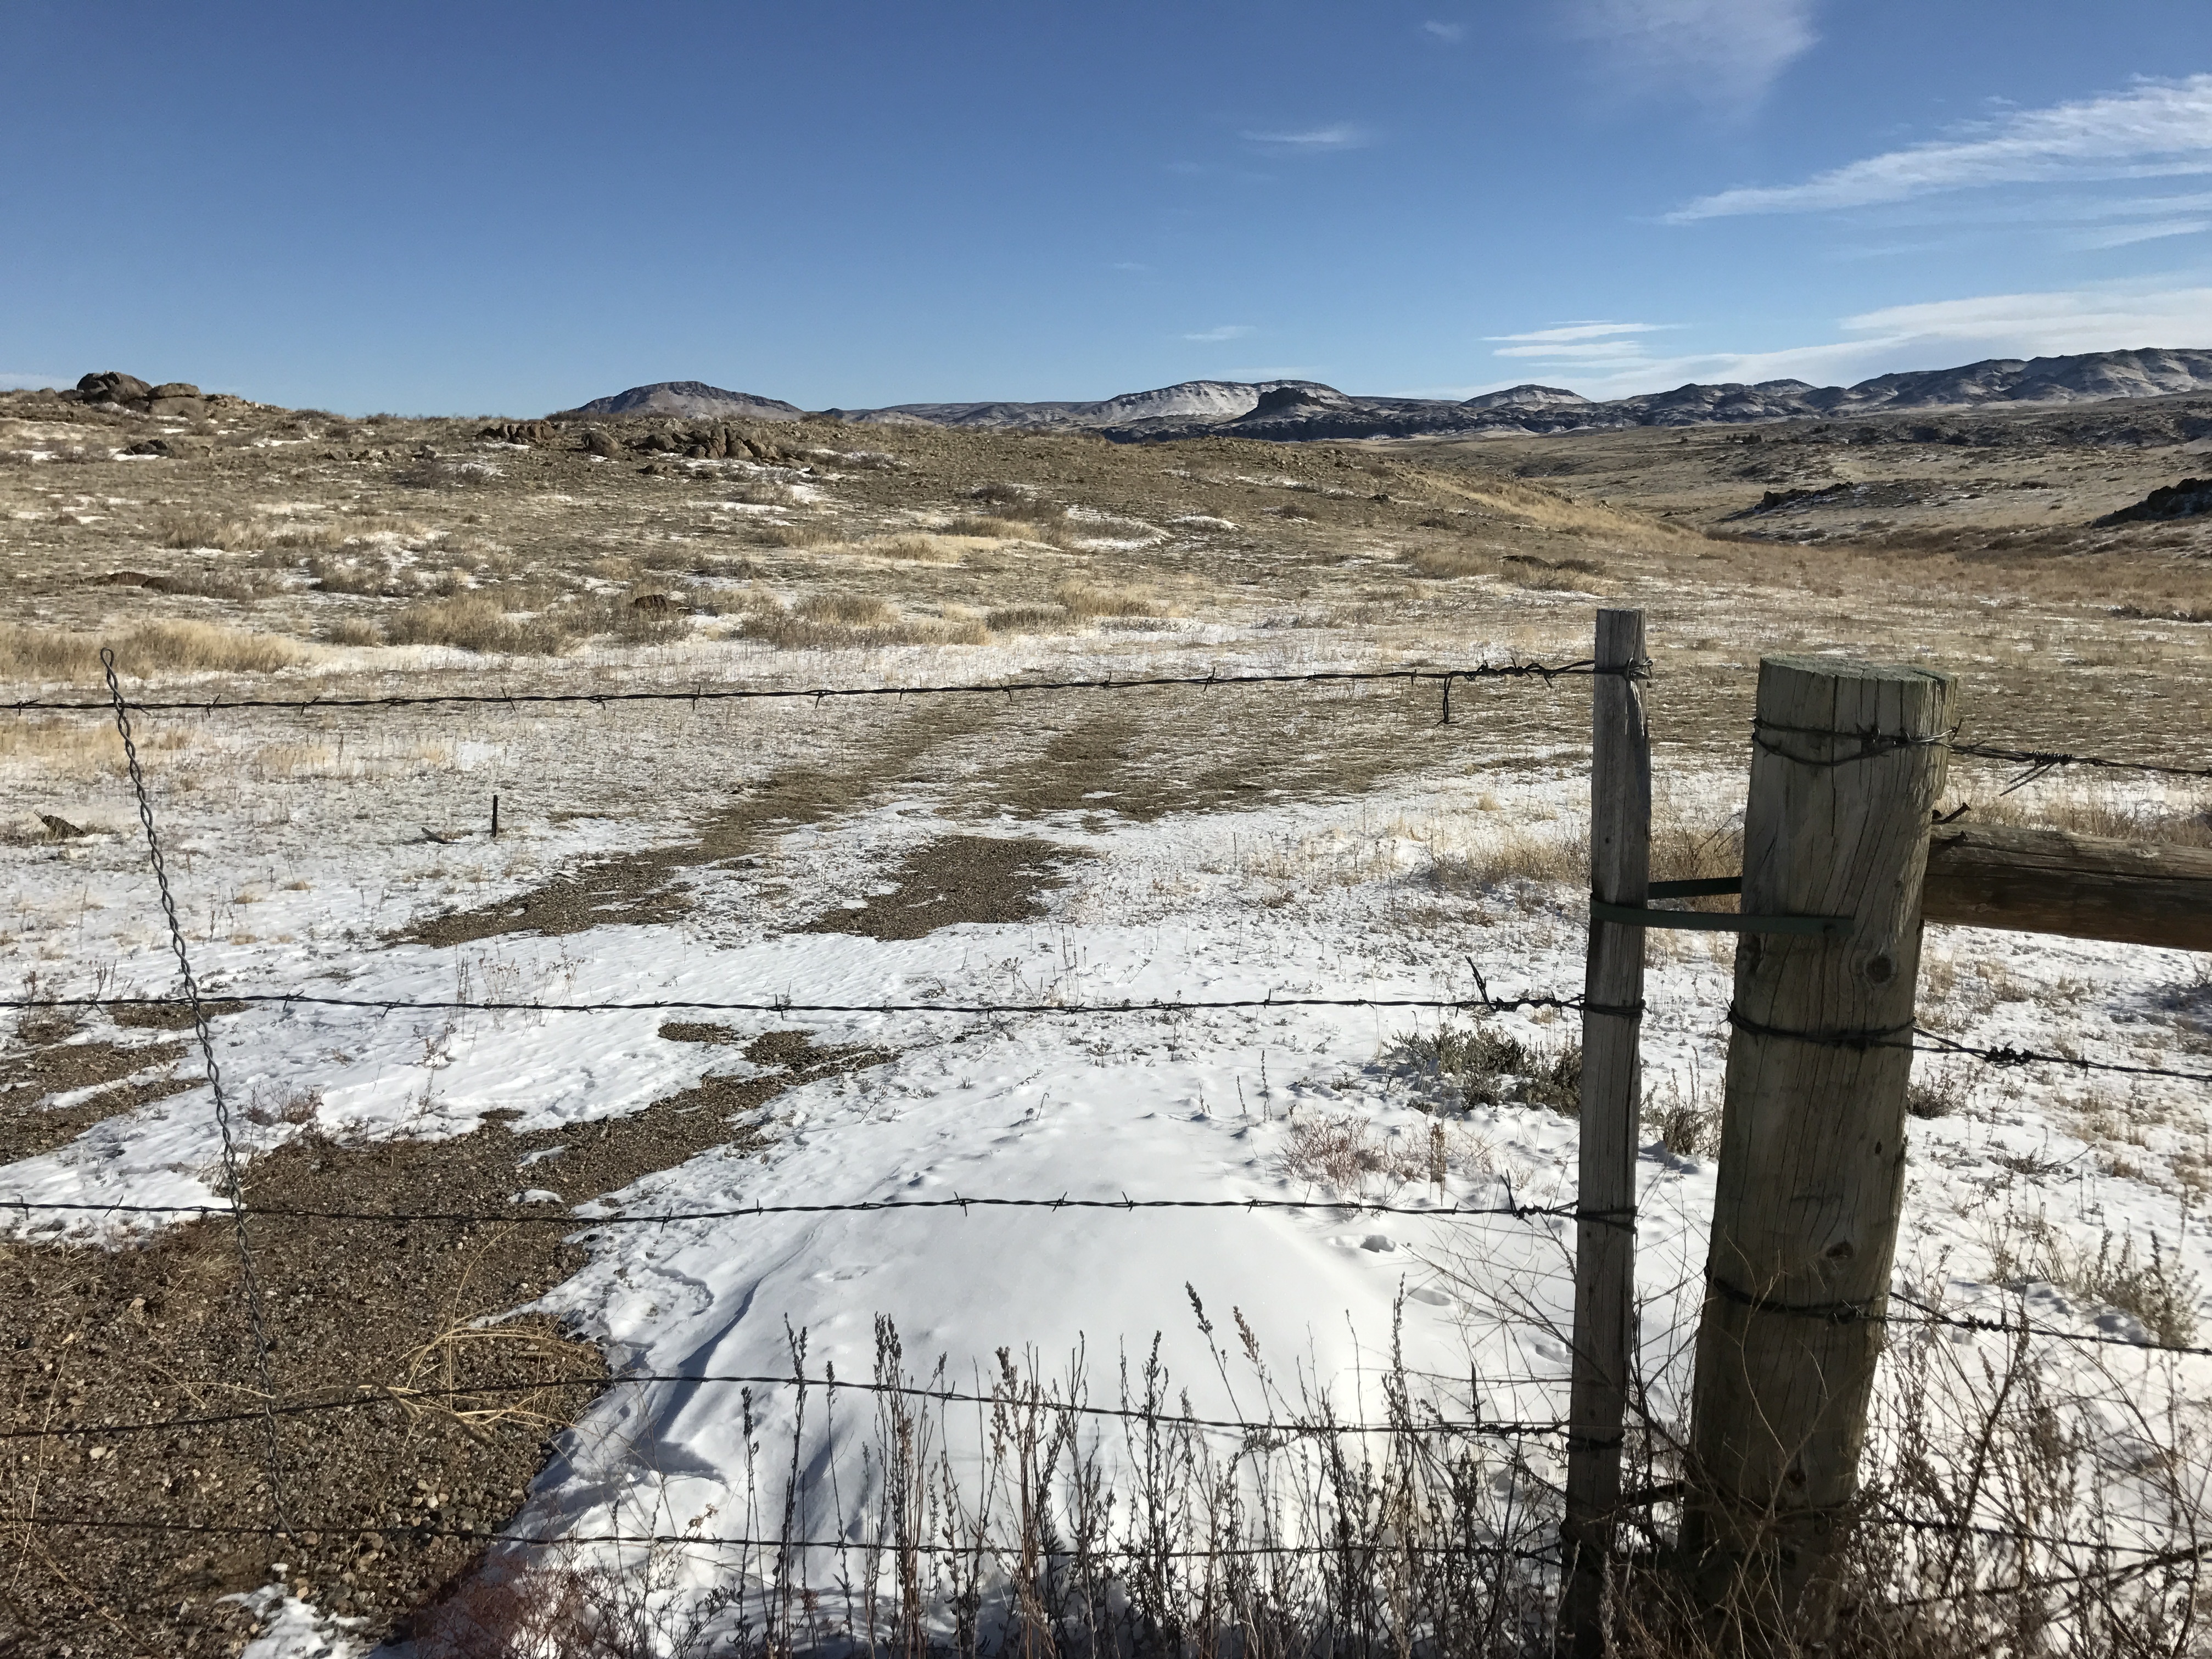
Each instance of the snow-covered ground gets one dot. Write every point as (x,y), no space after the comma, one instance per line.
(1298,897)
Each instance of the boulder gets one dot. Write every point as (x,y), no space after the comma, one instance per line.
(175,389)
(597,442)
(521,432)
(151,447)
(2189,499)
(113,386)
(189,408)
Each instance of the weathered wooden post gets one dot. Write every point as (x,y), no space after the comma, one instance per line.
(1847,766)
(1612,1089)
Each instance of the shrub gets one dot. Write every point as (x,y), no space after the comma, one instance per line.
(1482,1064)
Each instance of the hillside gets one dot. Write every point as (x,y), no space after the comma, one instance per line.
(1306,410)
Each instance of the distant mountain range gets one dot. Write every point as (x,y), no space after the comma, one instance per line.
(1289,411)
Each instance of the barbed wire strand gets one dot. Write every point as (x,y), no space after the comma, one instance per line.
(378,1394)
(707,1540)
(2008,1055)
(256,1322)
(492,1006)
(2020,1327)
(587,1224)
(1507,670)
(2039,761)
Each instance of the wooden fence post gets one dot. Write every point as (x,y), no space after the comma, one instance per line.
(1847,766)
(1611,1090)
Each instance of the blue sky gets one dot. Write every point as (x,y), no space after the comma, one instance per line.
(516,207)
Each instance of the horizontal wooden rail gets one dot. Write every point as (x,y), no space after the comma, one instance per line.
(2045,881)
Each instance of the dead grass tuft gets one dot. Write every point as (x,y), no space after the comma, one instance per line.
(1088,600)
(1344,1153)
(913,550)
(43,655)
(990,529)
(206,530)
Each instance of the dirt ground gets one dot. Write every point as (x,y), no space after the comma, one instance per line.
(411,1422)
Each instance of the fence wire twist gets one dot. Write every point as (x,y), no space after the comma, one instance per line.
(237,1206)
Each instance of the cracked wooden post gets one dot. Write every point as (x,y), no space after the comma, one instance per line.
(1847,765)
(1612,1089)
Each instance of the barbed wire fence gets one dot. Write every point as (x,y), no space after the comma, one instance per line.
(2034,763)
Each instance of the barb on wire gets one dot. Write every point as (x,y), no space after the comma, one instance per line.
(2037,763)
(586,1223)
(371,1395)
(493,1006)
(2020,1327)
(1503,670)
(191,998)
(2008,1055)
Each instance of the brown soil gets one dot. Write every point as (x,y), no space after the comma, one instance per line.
(641,887)
(40,1063)
(981,878)
(366,1311)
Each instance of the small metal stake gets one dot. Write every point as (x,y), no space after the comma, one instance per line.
(494,817)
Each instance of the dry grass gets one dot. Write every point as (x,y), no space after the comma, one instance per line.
(2178,816)
(199,530)
(151,648)
(1450,563)
(834,620)
(846,610)
(1086,601)
(990,529)
(1029,619)
(1346,1155)
(478,622)
(913,550)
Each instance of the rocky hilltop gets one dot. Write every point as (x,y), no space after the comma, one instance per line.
(688,397)
(1295,411)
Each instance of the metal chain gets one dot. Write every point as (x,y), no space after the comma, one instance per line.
(231,1185)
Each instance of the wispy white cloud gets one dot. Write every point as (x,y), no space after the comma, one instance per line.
(1225,332)
(1724,53)
(2103,318)
(1343,135)
(1451,33)
(2121,235)
(2158,128)
(1579,331)
(1130,265)
(1580,351)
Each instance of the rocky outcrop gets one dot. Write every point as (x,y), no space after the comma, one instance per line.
(2190,498)
(540,433)
(113,386)
(176,399)
(688,397)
